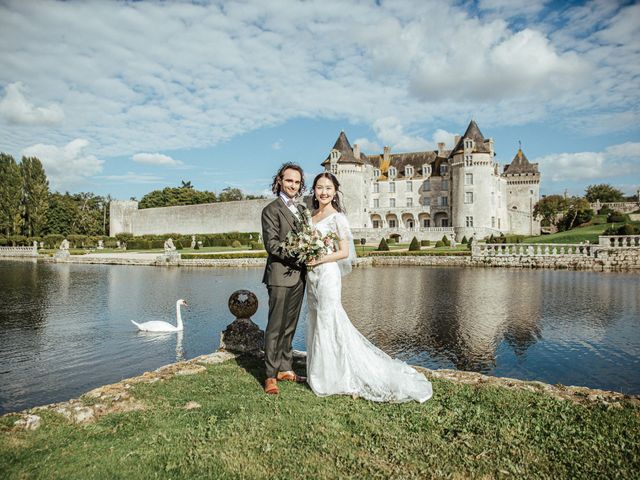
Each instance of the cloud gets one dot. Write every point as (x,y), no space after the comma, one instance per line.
(614,161)
(132,177)
(367,145)
(391,132)
(216,72)
(155,159)
(66,166)
(16,109)
(277,145)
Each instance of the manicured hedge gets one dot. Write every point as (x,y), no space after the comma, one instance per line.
(222,256)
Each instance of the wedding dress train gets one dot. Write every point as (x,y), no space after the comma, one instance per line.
(340,360)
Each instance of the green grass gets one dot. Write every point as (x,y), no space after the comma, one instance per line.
(239,432)
(576,235)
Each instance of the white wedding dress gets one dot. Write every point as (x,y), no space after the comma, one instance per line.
(340,360)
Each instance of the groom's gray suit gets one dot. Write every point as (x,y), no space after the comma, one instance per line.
(285,280)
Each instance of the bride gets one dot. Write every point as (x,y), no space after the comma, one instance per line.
(340,360)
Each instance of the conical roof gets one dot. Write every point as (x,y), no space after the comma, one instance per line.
(346,152)
(520,164)
(473,132)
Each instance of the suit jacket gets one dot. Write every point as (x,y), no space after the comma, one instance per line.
(277,221)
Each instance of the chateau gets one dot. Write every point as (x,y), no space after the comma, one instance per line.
(458,192)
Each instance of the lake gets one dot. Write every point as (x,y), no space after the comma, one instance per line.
(67,328)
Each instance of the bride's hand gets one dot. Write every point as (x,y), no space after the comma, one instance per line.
(313,263)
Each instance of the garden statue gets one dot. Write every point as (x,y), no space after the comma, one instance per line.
(193,241)
(64,245)
(100,245)
(169,246)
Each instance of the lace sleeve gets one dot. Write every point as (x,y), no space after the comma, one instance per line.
(344,233)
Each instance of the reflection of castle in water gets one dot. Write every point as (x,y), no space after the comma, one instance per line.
(437,311)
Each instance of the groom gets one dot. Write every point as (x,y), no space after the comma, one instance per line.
(283,275)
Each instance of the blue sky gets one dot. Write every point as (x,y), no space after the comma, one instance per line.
(123,98)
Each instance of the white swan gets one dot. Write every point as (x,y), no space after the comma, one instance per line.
(159,326)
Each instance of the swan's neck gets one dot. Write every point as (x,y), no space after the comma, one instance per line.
(178,317)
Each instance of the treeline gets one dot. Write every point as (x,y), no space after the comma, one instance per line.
(566,212)
(187,195)
(30,212)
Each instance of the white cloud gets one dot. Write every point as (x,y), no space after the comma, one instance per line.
(447,138)
(614,161)
(132,177)
(16,109)
(367,146)
(391,132)
(155,159)
(66,166)
(212,72)
(277,145)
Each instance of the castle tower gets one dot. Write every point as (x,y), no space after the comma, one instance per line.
(354,172)
(478,193)
(523,192)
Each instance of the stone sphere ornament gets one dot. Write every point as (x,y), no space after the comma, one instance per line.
(243,303)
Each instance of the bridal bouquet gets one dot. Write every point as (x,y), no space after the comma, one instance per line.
(307,243)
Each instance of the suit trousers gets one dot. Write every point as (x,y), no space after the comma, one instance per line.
(284,310)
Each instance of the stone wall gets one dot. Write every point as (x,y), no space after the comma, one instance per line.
(240,216)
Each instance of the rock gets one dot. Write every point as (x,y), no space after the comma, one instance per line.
(29,422)
(83,414)
(215,358)
(242,336)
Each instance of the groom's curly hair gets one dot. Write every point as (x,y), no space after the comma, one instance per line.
(275,186)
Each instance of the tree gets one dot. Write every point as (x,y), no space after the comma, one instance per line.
(549,208)
(10,195)
(415,245)
(62,215)
(230,194)
(35,195)
(383,247)
(172,196)
(578,212)
(604,193)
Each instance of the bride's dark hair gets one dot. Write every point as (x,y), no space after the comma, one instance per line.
(335,203)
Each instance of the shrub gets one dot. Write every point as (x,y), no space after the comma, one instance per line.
(415,245)
(464,240)
(425,243)
(391,240)
(3,241)
(617,217)
(196,246)
(445,241)
(606,211)
(236,244)
(77,241)
(383,247)
(439,243)
(17,240)
(256,246)
(627,229)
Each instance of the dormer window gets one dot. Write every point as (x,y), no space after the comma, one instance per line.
(376,173)
(408,171)
(468,144)
(426,170)
(392,172)
(334,156)
(444,169)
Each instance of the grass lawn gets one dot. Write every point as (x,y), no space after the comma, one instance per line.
(238,432)
(576,235)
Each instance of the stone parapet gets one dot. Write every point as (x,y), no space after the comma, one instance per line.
(18,251)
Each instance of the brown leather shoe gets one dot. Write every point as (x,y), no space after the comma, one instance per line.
(291,377)
(271,386)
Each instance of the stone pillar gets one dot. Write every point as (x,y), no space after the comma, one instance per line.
(242,335)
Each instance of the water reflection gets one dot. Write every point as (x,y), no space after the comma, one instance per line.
(67,328)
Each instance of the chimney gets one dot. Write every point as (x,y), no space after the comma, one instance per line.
(441,148)
(387,151)
(356,151)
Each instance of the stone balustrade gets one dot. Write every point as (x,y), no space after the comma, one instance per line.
(619,240)
(30,251)
(531,249)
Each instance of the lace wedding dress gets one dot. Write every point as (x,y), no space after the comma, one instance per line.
(340,360)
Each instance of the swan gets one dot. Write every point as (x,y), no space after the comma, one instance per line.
(159,326)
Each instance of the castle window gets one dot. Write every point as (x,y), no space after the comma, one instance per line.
(468,144)
(444,185)
(376,172)
(444,201)
(335,155)
(392,224)
(468,178)
(444,169)
(493,222)
(498,223)
(444,222)
(392,172)
(468,161)
(376,224)
(376,187)
(426,170)
(334,168)
(468,197)
(530,192)
(409,186)
(392,202)
(392,187)
(409,202)
(376,203)
(426,201)
(426,185)
(426,223)
(469,221)
(408,171)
